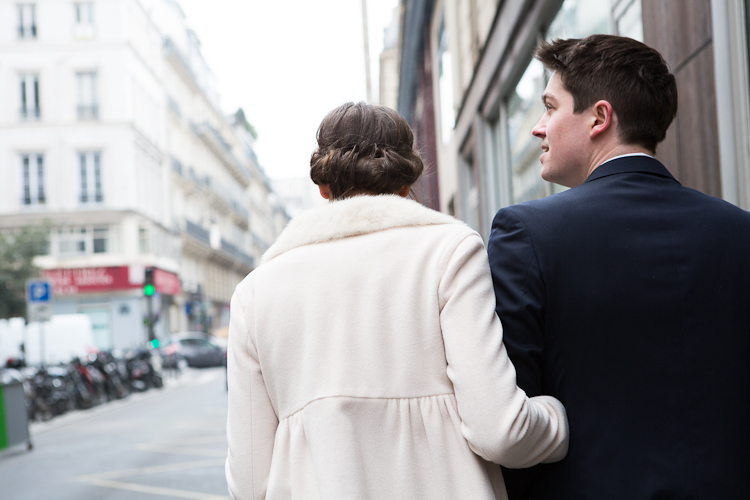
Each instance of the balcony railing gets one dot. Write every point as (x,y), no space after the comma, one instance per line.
(237,253)
(198,232)
(27,31)
(88,112)
(30,113)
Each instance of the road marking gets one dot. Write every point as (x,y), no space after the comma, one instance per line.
(201,452)
(155,469)
(155,490)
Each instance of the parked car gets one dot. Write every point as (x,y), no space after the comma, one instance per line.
(196,350)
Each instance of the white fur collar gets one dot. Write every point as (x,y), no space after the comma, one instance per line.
(351,217)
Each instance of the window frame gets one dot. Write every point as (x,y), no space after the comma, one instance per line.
(32,177)
(23,27)
(87,106)
(30,98)
(90,177)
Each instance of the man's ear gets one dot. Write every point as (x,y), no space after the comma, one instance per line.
(324,191)
(603,116)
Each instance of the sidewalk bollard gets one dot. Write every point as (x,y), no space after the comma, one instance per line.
(14,422)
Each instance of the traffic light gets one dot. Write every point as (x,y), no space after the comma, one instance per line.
(148,282)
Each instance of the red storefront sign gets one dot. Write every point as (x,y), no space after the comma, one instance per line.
(107,279)
(166,282)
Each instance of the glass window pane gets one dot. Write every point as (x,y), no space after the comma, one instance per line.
(525,108)
(445,84)
(84,181)
(100,245)
(99,196)
(579,19)
(630,23)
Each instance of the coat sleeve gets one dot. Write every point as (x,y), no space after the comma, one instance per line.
(499,421)
(251,419)
(520,302)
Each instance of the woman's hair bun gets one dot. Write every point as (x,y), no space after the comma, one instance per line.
(365,147)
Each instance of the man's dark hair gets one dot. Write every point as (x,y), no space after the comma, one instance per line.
(631,76)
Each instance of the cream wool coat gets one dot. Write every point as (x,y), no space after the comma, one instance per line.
(366,362)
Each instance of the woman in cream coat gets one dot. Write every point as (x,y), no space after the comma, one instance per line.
(365,358)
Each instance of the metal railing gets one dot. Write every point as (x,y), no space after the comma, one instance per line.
(88,112)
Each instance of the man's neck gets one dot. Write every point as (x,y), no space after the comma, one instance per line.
(618,150)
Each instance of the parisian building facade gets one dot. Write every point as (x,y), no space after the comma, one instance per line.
(113,138)
(471,90)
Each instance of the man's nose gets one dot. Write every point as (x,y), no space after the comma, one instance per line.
(538,130)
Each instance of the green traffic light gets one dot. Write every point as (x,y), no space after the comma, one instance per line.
(148,290)
(155,343)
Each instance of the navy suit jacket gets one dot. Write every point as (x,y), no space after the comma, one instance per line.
(628,298)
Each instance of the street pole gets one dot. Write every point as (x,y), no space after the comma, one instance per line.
(367,51)
(42,346)
(150,318)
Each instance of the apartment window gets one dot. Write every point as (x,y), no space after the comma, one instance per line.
(84,13)
(87,105)
(82,240)
(71,241)
(84,20)
(101,239)
(143,240)
(26,20)
(30,108)
(90,171)
(32,175)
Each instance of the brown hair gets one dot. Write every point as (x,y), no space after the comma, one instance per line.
(364,147)
(631,76)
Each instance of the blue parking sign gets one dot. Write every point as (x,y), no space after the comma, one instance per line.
(39,291)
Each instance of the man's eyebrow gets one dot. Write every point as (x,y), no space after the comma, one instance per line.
(547,97)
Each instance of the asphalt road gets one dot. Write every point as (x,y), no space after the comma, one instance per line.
(167,443)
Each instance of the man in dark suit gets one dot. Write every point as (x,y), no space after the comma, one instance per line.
(628,296)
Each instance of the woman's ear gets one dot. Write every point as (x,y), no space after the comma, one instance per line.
(324,191)
(404,191)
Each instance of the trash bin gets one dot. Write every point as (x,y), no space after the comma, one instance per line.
(14,421)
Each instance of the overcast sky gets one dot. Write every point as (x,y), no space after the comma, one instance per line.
(287,63)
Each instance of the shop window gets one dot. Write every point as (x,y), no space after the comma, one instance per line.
(524,110)
(579,19)
(628,19)
(445,83)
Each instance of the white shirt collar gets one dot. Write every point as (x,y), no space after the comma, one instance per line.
(624,156)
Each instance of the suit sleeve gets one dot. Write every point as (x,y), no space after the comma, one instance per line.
(519,297)
(519,303)
(251,418)
(499,422)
